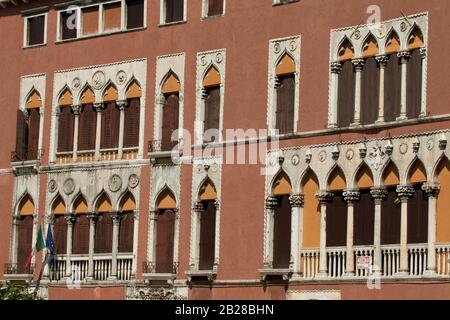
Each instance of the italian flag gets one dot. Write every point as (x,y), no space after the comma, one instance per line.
(39,246)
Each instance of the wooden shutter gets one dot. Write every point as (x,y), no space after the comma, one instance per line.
(36,29)
(25,238)
(67,22)
(285,104)
(337,222)
(132,117)
(87,128)
(364,216)
(66,124)
(165,242)
(282,235)
(135,14)
(33,134)
(390,219)
(414,85)
(110,126)
(170,120)
(174,10)
(21,135)
(126,233)
(207,236)
(215,7)
(80,243)
(370,91)
(346,95)
(392,88)
(103,234)
(60,234)
(212,108)
(418,217)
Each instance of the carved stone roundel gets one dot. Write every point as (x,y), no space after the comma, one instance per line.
(133,181)
(69,186)
(52,186)
(115,183)
(121,77)
(350,154)
(219,58)
(295,159)
(292,45)
(98,80)
(323,156)
(403,148)
(277,47)
(203,61)
(76,83)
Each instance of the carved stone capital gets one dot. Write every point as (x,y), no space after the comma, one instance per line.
(26,114)
(351,196)
(76,109)
(217,204)
(70,218)
(405,192)
(198,207)
(379,194)
(358,64)
(382,60)
(404,56)
(98,107)
(297,200)
(431,190)
(93,217)
(335,67)
(423,53)
(122,104)
(271,203)
(324,197)
(116,218)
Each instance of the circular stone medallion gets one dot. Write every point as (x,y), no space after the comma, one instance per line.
(115,183)
(133,181)
(52,186)
(69,186)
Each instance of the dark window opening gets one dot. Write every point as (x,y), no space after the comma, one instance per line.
(174,11)
(207,236)
(364,215)
(126,233)
(25,235)
(337,222)
(212,112)
(103,234)
(370,90)
(418,217)
(60,234)
(285,104)
(390,218)
(36,30)
(215,7)
(165,242)
(346,95)
(170,121)
(414,85)
(66,124)
(68,25)
(282,234)
(131,125)
(392,89)
(80,243)
(135,14)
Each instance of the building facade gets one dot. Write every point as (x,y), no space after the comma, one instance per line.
(218,149)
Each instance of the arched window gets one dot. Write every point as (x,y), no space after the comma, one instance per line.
(165,232)
(392,82)
(211,96)
(370,82)
(418,205)
(414,75)
(103,227)
(346,85)
(207,198)
(443,202)
(126,230)
(110,119)
(66,122)
(88,122)
(285,92)
(132,116)
(59,226)
(391,207)
(171,111)
(282,190)
(337,210)
(26,210)
(80,243)
(363,232)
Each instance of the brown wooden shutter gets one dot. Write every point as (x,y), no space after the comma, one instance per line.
(282,234)
(80,243)
(346,95)
(87,128)
(66,124)
(285,104)
(68,19)
(207,236)
(132,117)
(215,7)
(103,234)
(110,126)
(21,135)
(363,232)
(337,222)
(33,134)
(170,120)
(126,233)
(392,88)
(390,218)
(212,108)
(414,85)
(135,14)
(174,10)
(25,238)
(36,29)
(418,217)
(165,242)
(370,90)
(60,234)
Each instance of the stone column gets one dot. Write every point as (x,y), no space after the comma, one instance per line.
(324,197)
(358,65)
(15,236)
(152,245)
(271,205)
(76,109)
(92,222)
(404,192)
(98,134)
(70,218)
(296,202)
(432,191)
(198,209)
(423,54)
(122,106)
(116,218)
(335,68)
(217,236)
(176,212)
(350,196)
(382,63)
(404,58)
(378,194)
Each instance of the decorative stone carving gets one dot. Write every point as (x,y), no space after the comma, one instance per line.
(70,218)
(403,148)
(423,52)
(296,200)
(382,60)
(404,56)
(219,57)
(52,186)
(76,84)
(198,207)
(324,196)
(357,34)
(115,183)
(121,77)
(98,107)
(292,46)
(277,47)
(271,203)
(416,145)
(335,153)
(280,160)
(336,67)
(349,154)
(133,181)
(76,109)
(403,26)
(295,160)
(308,156)
(389,148)
(362,150)
(69,186)
(116,218)
(430,144)
(379,193)
(155,294)
(98,80)
(358,64)
(93,218)
(322,156)
(405,192)
(351,196)
(376,157)
(431,190)
(122,104)
(443,142)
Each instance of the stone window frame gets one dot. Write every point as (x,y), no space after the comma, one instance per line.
(162,14)
(277,49)
(25,29)
(357,35)
(205,5)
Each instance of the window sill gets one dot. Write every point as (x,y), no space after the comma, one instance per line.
(284,2)
(34,46)
(18,277)
(285,274)
(98,35)
(169,277)
(168,24)
(206,18)
(210,275)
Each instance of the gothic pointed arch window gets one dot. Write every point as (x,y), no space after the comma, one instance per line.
(88,121)
(285,93)
(417,205)
(103,226)
(336,210)
(414,74)
(80,242)
(370,82)
(66,122)
(110,119)
(211,96)
(170,111)
(346,85)
(126,229)
(364,218)
(132,116)
(392,82)
(391,207)
(59,225)
(26,211)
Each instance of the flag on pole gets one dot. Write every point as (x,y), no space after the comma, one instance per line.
(39,245)
(50,245)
